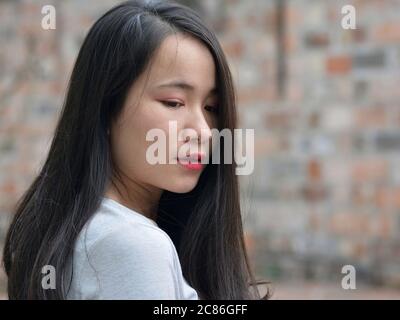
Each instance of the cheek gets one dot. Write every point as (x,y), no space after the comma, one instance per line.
(129,139)
(129,150)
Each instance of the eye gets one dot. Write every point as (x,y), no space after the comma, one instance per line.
(212,109)
(172,104)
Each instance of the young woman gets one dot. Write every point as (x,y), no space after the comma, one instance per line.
(109,224)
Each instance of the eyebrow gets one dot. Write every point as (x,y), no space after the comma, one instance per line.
(183,85)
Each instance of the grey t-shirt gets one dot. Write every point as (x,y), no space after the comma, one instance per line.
(122,254)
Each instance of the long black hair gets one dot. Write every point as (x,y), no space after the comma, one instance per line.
(69,188)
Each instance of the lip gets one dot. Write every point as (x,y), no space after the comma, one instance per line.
(192,162)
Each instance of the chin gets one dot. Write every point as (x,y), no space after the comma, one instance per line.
(183,185)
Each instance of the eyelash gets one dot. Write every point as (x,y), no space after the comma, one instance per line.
(213,109)
(168,103)
(175,103)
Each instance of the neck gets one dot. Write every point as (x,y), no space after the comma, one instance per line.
(138,197)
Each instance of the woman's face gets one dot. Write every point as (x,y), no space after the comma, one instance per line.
(178,85)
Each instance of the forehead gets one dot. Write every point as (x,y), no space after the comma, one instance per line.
(185,58)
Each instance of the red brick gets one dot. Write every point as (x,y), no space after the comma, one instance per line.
(8,188)
(359,250)
(361,196)
(388,198)
(314,119)
(370,117)
(315,222)
(314,170)
(256,94)
(358,35)
(293,16)
(234,49)
(249,243)
(269,145)
(338,65)
(290,43)
(317,40)
(281,119)
(314,193)
(349,223)
(270,20)
(388,32)
(385,226)
(368,170)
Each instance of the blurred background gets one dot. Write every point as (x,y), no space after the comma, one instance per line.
(324,102)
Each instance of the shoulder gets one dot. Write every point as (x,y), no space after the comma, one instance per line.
(119,243)
(127,261)
(109,227)
(132,242)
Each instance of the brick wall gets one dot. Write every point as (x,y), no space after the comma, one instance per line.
(325,192)
(324,103)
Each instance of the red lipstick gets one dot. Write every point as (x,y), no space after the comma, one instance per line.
(193,162)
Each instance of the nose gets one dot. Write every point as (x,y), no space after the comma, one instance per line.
(200,127)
